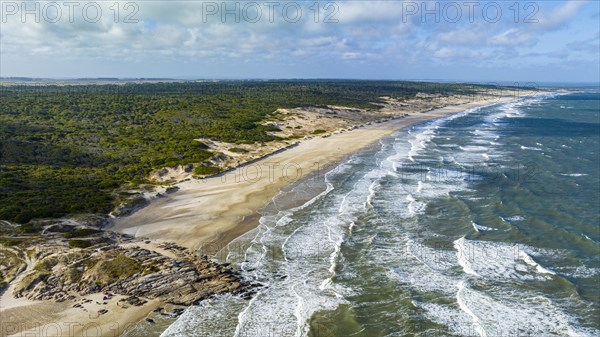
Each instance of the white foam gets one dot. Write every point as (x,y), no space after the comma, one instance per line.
(501,311)
(420,141)
(477,323)
(573,174)
(504,312)
(530,261)
(479,228)
(419,266)
(588,238)
(487,133)
(463,258)
(531,148)
(498,261)
(213,317)
(457,321)
(470,148)
(580,271)
(308,286)
(513,218)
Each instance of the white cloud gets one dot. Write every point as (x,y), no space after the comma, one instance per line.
(445,53)
(463,36)
(513,37)
(560,16)
(175,33)
(368,11)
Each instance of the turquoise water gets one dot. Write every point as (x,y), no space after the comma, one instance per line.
(485,223)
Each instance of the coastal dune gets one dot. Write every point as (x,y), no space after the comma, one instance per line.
(214,211)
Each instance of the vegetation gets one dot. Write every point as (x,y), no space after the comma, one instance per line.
(206,170)
(69,148)
(238,150)
(11,263)
(10,242)
(106,272)
(81,232)
(80,243)
(30,228)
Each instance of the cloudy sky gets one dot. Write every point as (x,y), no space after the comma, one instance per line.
(464,40)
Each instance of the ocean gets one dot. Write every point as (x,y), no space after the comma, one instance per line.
(483,223)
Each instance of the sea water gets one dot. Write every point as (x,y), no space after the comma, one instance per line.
(483,223)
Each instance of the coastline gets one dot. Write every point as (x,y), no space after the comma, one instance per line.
(209,213)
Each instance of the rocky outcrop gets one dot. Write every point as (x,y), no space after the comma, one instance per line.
(133,271)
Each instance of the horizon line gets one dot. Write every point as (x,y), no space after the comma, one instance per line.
(111,78)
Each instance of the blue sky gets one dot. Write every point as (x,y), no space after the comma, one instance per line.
(463,40)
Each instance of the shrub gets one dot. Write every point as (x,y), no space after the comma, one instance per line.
(206,170)
(81,232)
(109,271)
(30,228)
(10,242)
(273,128)
(80,243)
(238,150)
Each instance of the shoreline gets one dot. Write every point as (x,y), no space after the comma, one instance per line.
(209,213)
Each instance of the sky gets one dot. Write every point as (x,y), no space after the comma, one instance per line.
(483,41)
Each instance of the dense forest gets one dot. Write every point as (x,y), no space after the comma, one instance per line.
(72,148)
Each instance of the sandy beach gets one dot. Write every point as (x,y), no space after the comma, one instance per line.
(48,318)
(216,210)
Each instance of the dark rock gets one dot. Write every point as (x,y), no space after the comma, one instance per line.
(135,301)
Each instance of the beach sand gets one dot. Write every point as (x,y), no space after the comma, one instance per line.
(214,211)
(49,318)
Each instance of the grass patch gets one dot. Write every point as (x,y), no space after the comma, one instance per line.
(272,128)
(31,228)
(80,243)
(46,264)
(238,150)
(206,170)
(107,272)
(81,232)
(10,242)
(319,131)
